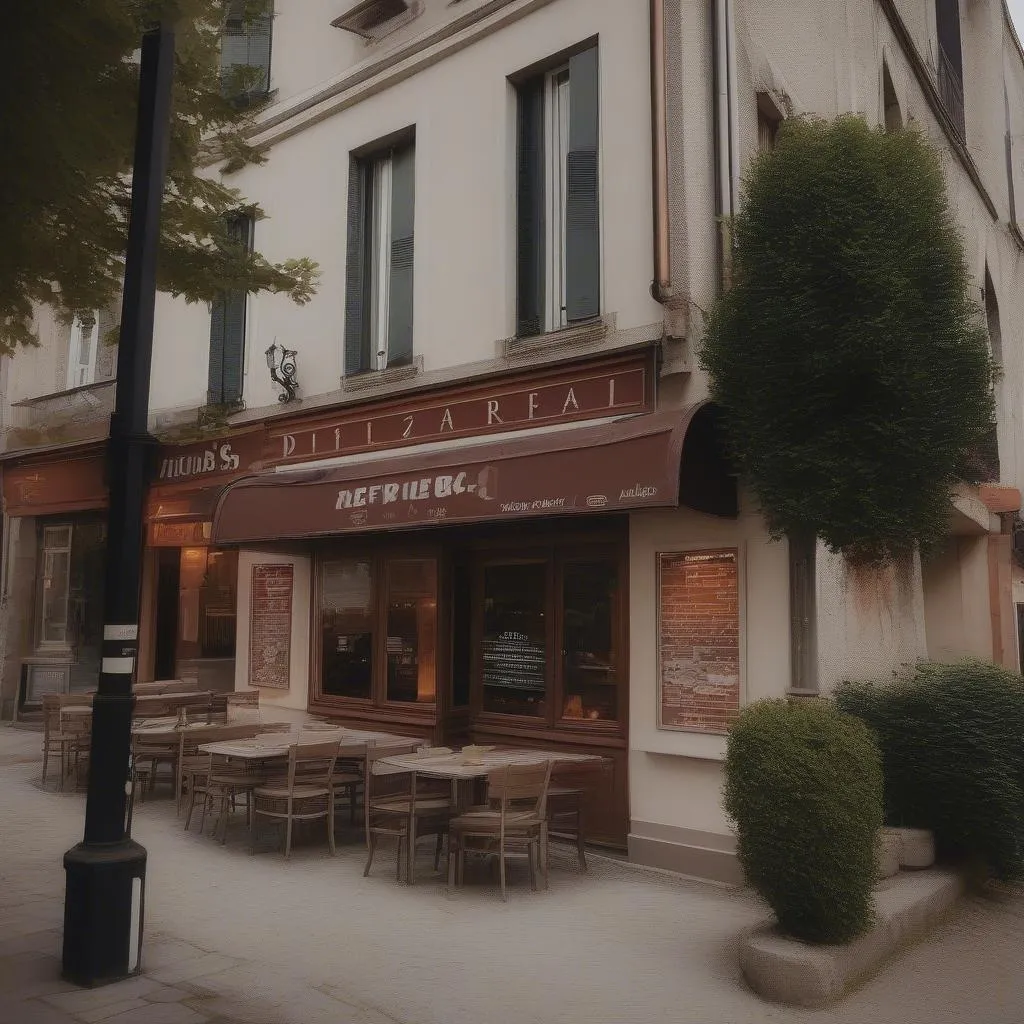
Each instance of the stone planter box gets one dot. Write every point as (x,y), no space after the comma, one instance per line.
(889,848)
(917,848)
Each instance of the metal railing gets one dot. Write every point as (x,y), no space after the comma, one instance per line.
(951,92)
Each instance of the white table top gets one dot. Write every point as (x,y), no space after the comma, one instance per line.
(259,748)
(456,766)
(142,701)
(167,727)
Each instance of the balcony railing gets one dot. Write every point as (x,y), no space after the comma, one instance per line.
(951,92)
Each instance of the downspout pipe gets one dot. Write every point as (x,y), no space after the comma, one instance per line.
(661,287)
(726,131)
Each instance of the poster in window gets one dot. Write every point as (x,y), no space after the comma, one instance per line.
(270,628)
(698,640)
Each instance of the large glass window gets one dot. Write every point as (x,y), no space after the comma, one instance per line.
(347,628)
(514,643)
(590,654)
(412,631)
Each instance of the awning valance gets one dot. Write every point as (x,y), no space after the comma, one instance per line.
(611,466)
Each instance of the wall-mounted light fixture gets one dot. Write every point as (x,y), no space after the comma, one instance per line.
(281,363)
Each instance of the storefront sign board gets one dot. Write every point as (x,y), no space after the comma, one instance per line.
(698,640)
(270,626)
(55,486)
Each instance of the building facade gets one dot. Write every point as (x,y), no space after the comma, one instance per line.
(474,489)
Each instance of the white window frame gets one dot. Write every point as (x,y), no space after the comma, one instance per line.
(379,264)
(83,373)
(47,551)
(557,98)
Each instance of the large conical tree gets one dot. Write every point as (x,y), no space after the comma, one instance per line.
(70,74)
(849,358)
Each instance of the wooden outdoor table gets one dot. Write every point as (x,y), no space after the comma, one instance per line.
(167,728)
(142,701)
(276,745)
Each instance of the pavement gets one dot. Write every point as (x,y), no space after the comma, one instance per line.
(233,938)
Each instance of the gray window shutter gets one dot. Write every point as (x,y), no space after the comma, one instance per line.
(227,330)
(403,214)
(357,342)
(246,44)
(583,241)
(530,241)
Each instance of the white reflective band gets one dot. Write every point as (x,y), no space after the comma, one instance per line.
(120,632)
(119,666)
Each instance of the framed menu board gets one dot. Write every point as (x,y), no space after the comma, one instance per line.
(270,626)
(698,640)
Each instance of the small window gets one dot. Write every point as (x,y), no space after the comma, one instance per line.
(381,246)
(227,327)
(245,53)
(769,119)
(55,580)
(82,352)
(995,331)
(558,216)
(950,67)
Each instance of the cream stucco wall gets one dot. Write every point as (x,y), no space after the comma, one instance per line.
(297,696)
(675,777)
(464,112)
(956,600)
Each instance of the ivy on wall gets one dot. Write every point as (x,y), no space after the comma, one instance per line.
(850,362)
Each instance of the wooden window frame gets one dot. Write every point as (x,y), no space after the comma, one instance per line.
(379,556)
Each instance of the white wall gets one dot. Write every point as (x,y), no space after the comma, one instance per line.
(675,778)
(296,697)
(464,111)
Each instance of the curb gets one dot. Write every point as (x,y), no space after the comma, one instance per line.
(785,970)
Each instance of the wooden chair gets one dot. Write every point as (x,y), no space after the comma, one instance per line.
(194,766)
(78,745)
(565,818)
(226,780)
(350,776)
(514,823)
(55,740)
(406,815)
(217,713)
(304,795)
(149,754)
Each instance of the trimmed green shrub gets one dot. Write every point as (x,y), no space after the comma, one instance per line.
(952,739)
(850,358)
(804,787)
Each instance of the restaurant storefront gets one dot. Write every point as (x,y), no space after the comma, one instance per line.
(457,565)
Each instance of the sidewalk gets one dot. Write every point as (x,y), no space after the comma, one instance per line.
(234,938)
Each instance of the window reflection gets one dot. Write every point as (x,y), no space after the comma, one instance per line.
(346,628)
(589,641)
(514,647)
(412,630)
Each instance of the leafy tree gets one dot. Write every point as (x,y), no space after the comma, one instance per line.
(849,359)
(69,69)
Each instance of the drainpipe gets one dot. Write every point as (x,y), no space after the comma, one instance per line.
(727,130)
(661,289)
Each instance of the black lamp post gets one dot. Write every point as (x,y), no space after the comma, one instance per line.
(104,898)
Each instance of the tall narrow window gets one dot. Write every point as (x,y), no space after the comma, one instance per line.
(989,462)
(245,53)
(227,328)
(558,219)
(890,103)
(82,351)
(55,581)
(769,119)
(381,245)
(412,631)
(950,68)
(347,627)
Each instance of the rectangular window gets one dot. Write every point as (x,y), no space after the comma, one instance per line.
(380,256)
(227,327)
(590,631)
(347,628)
(412,631)
(55,580)
(514,644)
(950,65)
(82,352)
(558,267)
(245,54)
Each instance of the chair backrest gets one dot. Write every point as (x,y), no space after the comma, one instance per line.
(311,764)
(520,787)
(51,714)
(244,698)
(79,699)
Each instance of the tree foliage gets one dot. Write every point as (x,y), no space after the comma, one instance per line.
(850,361)
(69,69)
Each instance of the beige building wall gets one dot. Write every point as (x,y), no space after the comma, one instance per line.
(296,697)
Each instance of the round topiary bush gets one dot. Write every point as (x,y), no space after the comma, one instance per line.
(849,357)
(952,739)
(804,787)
